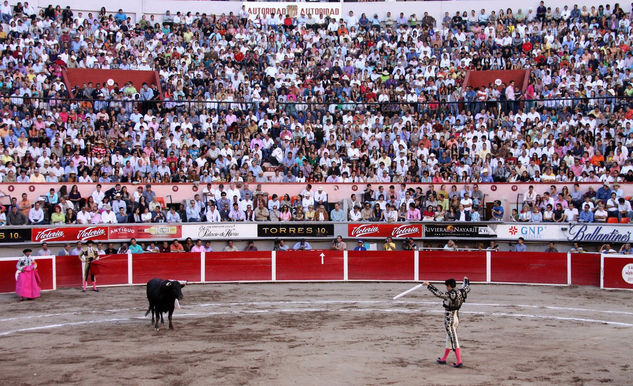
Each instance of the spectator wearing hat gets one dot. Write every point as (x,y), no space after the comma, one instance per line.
(360,246)
(108,216)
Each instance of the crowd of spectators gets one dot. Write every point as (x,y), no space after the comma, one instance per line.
(366,99)
(237,202)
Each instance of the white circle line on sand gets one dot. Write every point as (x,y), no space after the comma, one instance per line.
(302,310)
(296,302)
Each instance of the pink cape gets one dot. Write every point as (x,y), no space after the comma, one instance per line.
(27,284)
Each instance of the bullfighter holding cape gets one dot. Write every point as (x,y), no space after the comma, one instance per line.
(27,278)
(90,266)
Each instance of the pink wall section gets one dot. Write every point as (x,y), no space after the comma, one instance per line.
(507,192)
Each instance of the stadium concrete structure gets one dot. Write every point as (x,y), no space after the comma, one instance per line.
(298,293)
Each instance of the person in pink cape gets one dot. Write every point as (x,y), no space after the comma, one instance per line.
(26,278)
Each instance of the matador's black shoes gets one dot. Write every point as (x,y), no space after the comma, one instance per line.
(440,361)
(458,365)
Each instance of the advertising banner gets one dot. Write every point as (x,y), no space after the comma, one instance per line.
(396,231)
(263,9)
(458,230)
(220,230)
(69,234)
(295,230)
(144,232)
(16,235)
(599,233)
(530,231)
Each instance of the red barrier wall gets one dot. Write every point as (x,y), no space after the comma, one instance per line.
(585,269)
(440,265)
(178,266)
(528,267)
(505,267)
(306,265)
(238,266)
(7,274)
(113,270)
(614,270)
(68,271)
(380,265)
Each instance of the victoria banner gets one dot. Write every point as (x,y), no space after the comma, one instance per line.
(397,231)
(69,234)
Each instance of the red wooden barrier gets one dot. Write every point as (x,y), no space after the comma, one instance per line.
(441,265)
(177,266)
(8,268)
(69,271)
(528,267)
(380,265)
(310,265)
(238,266)
(585,269)
(617,272)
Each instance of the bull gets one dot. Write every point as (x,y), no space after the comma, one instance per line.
(163,296)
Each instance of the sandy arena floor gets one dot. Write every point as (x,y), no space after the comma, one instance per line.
(317,334)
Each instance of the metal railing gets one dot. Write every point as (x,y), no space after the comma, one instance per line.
(584,104)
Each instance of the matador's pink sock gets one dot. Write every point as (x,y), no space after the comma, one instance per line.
(458,354)
(446,352)
(85,285)
(94,284)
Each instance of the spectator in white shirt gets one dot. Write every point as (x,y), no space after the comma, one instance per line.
(571,213)
(98,195)
(213,215)
(355,214)
(173,216)
(320,198)
(83,217)
(36,214)
(108,216)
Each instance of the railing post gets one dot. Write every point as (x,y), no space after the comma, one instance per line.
(273,265)
(488,268)
(345,266)
(54,272)
(129,268)
(416,265)
(568,268)
(203,264)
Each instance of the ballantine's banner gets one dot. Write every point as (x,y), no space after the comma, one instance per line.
(397,231)
(144,232)
(599,233)
(220,230)
(263,9)
(298,230)
(69,234)
(458,230)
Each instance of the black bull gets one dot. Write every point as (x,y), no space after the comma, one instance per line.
(162,295)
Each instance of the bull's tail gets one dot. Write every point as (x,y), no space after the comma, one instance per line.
(149,309)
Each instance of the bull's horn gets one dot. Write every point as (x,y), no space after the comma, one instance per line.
(182,282)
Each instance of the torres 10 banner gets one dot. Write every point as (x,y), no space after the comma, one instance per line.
(397,231)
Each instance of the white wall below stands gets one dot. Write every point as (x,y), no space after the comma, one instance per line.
(136,8)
